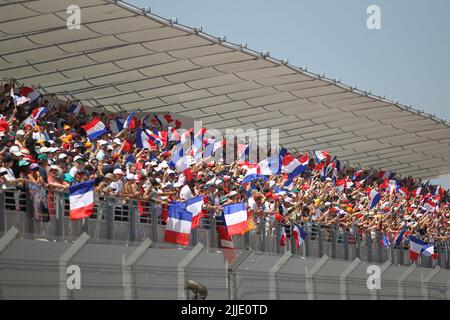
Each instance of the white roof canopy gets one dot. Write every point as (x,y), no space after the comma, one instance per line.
(122,59)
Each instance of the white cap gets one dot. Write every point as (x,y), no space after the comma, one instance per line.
(118,171)
(153,163)
(62,156)
(44,150)
(232,193)
(164,164)
(15,150)
(328,179)
(218,181)
(170,171)
(290,200)
(74,159)
(177,184)
(20,132)
(102,142)
(110,147)
(117,141)
(130,176)
(158,180)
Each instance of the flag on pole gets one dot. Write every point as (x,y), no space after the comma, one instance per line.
(129,121)
(374,197)
(38,113)
(299,235)
(18,100)
(226,243)
(283,236)
(81,199)
(30,93)
(76,107)
(416,248)
(116,125)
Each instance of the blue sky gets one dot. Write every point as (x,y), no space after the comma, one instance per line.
(408,59)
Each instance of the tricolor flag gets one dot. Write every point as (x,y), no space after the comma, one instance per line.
(299,235)
(374,197)
(321,156)
(417,192)
(143,139)
(197,146)
(253,173)
(226,243)
(116,125)
(76,107)
(94,129)
(235,216)
(385,241)
(194,206)
(178,228)
(30,93)
(416,248)
(283,237)
(295,166)
(399,237)
(271,166)
(18,100)
(129,121)
(243,152)
(38,113)
(386,175)
(81,199)
(428,251)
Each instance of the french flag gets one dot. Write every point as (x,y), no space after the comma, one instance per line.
(143,140)
(194,206)
(128,121)
(30,93)
(428,251)
(321,156)
(271,166)
(296,166)
(94,129)
(208,148)
(253,173)
(243,152)
(197,146)
(177,153)
(116,125)
(235,215)
(416,248)
(226,243)
(283,237)
(174,135)
(385,241)
(184,165)
(38,113)
(357,174)
(76,107)
(299,235)
(386,175)
(374,197)
(178,228)
(399,237)
(18,100)
(81,199)
(417,192)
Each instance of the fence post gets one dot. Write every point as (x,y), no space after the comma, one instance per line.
(277,237)
(132,220)
(154,217)
(212,229)
(369,246)
(2,212)
(59,215)
(346,245)
(262,228)
(358,243)
(334,235)
(307,243)
(30,214)
(402,256)
(108,205)
(380,248)
(320,241)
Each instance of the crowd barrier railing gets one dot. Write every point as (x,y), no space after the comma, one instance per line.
(44,214)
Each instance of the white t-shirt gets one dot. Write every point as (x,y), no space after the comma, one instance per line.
(73,171)
(116,186)
(186,193)
(9,176)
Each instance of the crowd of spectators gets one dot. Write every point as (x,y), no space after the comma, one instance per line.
(55,153)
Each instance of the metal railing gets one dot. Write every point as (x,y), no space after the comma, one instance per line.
(122,220)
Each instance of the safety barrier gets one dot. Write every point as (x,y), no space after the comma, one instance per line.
(122,220)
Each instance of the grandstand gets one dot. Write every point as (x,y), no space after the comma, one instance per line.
(125,59)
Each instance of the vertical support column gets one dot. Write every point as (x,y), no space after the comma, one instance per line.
(392,253)
(401,280)
(108,207)
(181,269)
(307,242)
(8,237)
(320,241)
(2,211)
(64,260)
(154,217)
(127,274)
(212,230)
(262,228)
(194,237)
(59,215)
(310,275)
(358,243)
(30,215)
(132,220)
(380,248)
(344,275)
(346,245)
(369,246)
(277,237)
(401,253)
(334,235)
(273,286)
(427,280)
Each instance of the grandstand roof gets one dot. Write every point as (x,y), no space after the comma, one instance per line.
(125,58)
